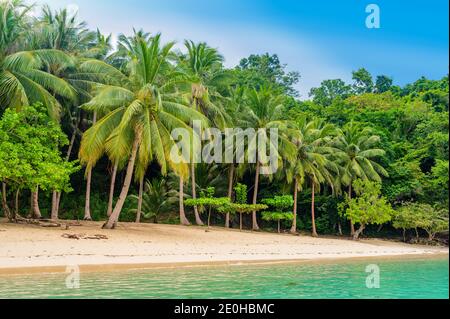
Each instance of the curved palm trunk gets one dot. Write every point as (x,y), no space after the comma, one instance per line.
(294,221)
(111,189)
(112,221)
(36,212)
(183,219)
(141,193)
(198,220)
(313,215)
(87,207)
(230,193)
(352,225)
(5,206)
(255,196)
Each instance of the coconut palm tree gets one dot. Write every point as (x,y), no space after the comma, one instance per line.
(142,107)
(263,111)
(234,108)
(23,76)
(61,30)
(358,156)
(24,70)
(312,164)
(157,198)
(202,68)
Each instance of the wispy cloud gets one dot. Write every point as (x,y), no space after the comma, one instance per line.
(320,45)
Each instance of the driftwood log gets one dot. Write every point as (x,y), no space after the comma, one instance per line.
(84,236)
(48,223)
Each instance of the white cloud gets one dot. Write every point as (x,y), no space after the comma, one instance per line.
(234,41)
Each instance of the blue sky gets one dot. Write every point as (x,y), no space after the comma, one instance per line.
(320,39)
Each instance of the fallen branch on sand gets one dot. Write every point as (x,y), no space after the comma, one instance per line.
(47,223)
(84,236)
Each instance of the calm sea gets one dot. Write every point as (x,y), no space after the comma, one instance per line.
(410,278)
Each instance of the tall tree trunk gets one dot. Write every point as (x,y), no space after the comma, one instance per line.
(294,221)
(209,217)
(111,189)
(352,225)
(358,232)
(240,221)
(5,206)
(17,210)
(141,193)
(87,207)
(279,226)
(114,218)
(255,195)
(36,211)
(183,219)
(313,214)
(56,198)
(54,213)
(339,227)
(230,193)
(198,220)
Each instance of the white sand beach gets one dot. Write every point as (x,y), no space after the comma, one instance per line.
(27,248)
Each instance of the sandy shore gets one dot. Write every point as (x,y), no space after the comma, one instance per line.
(25,248)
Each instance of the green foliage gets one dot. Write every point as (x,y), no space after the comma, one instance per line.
(242,208)
(266,70)
(369,129)
(29,148)
(363,81)
(277,216)
(368,207)
(208,202)
(241,193)
(424,216)
(280,202)
(330,90)
(157,199)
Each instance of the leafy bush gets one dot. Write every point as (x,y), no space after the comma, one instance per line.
(369,207)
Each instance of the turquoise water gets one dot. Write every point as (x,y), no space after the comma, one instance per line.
(398,279)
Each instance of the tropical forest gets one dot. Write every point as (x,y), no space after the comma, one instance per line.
(86,135)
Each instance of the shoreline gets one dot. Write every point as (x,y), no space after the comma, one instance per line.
(110,268)
(27,249)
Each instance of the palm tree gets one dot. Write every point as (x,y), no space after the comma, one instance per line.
(358,156)
(263,110)
(202,69)
(142,107)
(61,31)
(157,198)
(233,108)
(23,76)
(312,163)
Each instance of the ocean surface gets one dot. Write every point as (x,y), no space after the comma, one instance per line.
(410,278)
